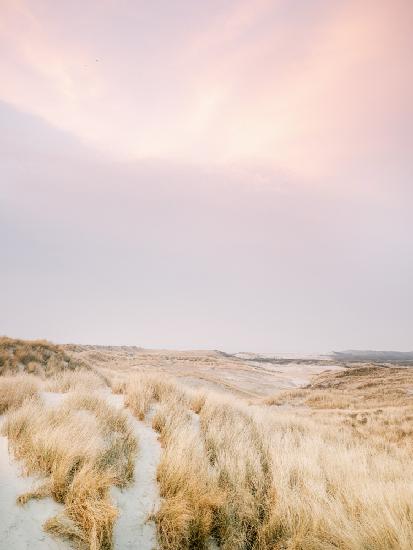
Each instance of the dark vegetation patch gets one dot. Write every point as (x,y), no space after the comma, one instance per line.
(36,357)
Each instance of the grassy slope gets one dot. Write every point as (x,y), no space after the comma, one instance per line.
(35,356)
(264,477)
(324,467)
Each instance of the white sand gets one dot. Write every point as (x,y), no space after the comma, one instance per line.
(21,526)
(133,530)
(52,399)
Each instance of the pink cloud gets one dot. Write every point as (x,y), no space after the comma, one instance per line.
(306,92)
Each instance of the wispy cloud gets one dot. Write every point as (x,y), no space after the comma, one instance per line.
(278,83)
(233,174)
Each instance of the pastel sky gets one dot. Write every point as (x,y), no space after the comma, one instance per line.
(221,174)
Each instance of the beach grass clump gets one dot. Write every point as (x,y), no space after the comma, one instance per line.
(80,448)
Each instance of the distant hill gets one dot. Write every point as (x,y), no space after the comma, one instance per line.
(35,357)
(371,355)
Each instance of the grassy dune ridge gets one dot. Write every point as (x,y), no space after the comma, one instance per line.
(263,477)
(80,448)
(14,390)
(324,467)
(38,357)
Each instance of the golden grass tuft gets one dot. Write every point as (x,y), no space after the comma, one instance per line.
(331,468)
(79,379)
(188,485)
(143,389)
(370,386)
(15,389)
(139,395)
(80,448)
(35,356)
(197,400)
(254,477)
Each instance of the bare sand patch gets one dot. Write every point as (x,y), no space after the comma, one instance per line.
(52,399)
(21,526)
(140,500)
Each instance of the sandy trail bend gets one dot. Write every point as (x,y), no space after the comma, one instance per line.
(139,500)
(21,526)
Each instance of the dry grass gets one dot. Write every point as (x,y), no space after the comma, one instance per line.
(237,448)
(197,400)
(79,379)
(190,495)
(188,483)
(330,469)
(143,389)
(259,478)
(361,387)
(212,370)
(15,389)
(139,395)
(81,448)
(35,357)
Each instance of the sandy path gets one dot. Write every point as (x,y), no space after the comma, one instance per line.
(138,501)
(53,399)
(21,526)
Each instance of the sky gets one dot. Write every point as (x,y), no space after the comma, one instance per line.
(226,174)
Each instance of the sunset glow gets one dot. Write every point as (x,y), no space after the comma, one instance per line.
(220,133)
(301,89)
